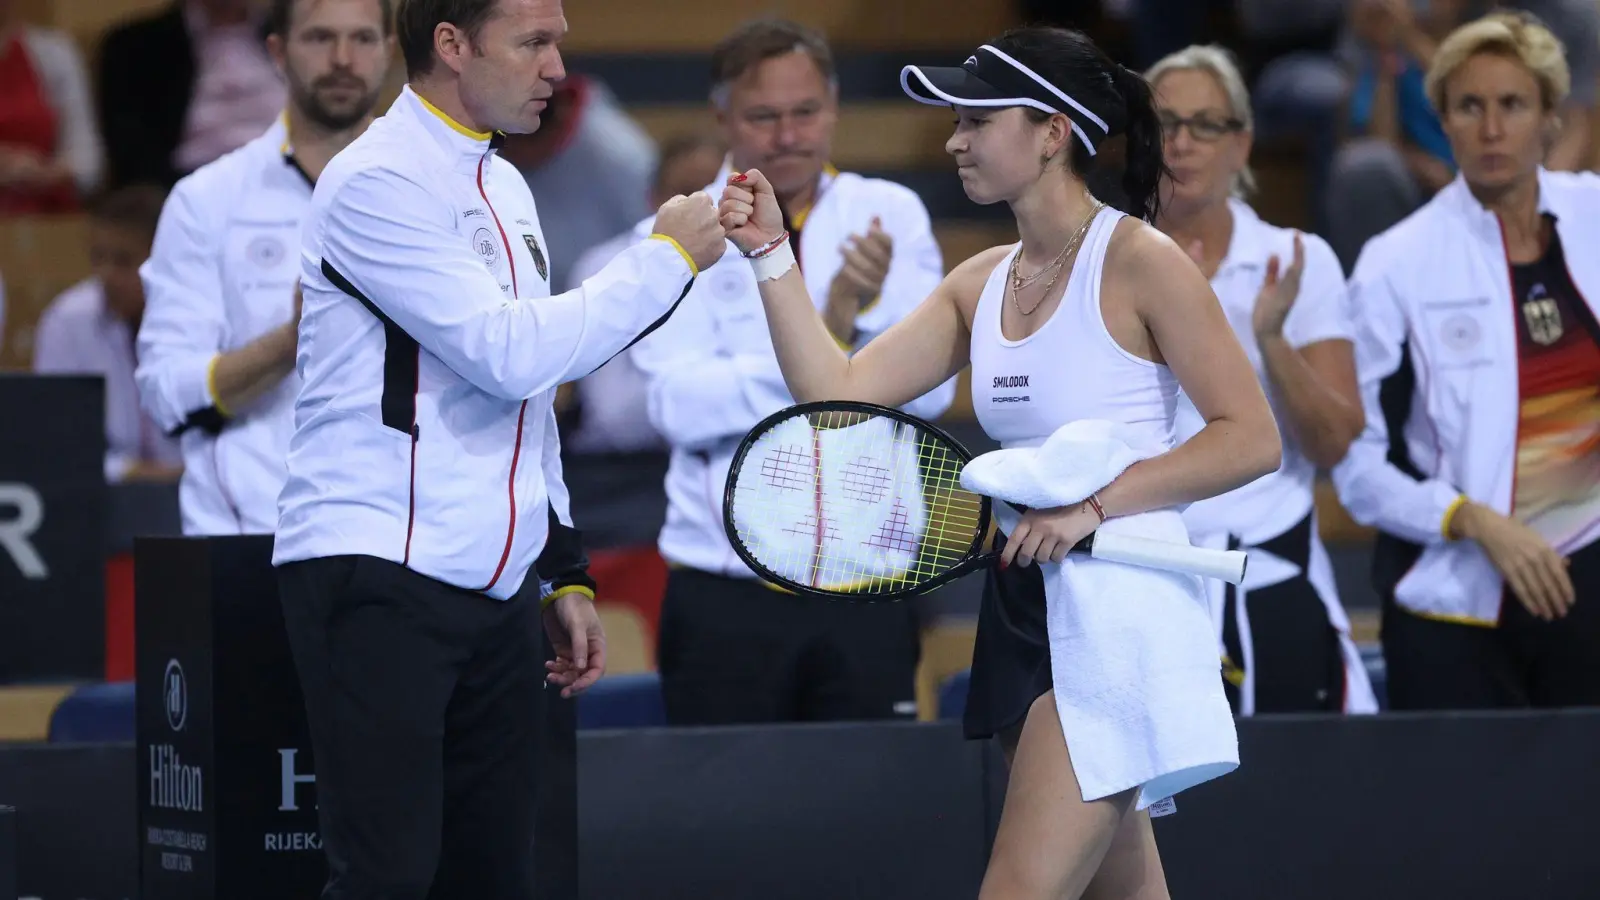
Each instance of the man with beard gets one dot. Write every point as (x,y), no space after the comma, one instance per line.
(217,344)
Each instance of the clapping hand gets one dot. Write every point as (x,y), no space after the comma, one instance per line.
(1278,294)
(866,262)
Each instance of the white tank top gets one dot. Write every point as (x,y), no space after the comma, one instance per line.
(1071,368)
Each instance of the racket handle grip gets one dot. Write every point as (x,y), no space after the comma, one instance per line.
(1227,565)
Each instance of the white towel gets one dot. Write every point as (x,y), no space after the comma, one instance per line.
(1138,683)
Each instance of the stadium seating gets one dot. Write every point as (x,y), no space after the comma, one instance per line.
(25,710)
(623,701)
(946,650)
(953,695)
(39,258)
(95,712)
(627,26)
(630,648)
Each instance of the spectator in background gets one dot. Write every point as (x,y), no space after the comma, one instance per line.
(217,346)
(606,412)
(867,251)
(50,150)
(1479,359)
(179,89)
(90,329)
(1284,634)
(589,167)
(1399,155)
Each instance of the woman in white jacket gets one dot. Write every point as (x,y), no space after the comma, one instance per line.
(1285,638)
(1479,357)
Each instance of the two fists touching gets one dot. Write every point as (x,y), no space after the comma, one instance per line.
(748,215)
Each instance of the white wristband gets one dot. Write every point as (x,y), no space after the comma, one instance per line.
(773,265)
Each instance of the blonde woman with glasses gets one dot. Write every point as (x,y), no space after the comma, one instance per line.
(1284,635)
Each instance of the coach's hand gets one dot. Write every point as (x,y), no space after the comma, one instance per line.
(1536,573)
(579,642)
(749,210)
(1046,535)
(692,222)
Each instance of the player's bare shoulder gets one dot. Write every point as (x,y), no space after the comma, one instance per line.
(965,283)
(1144,265)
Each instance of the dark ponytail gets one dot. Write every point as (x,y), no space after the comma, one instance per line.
(1128,163)
(1144,163)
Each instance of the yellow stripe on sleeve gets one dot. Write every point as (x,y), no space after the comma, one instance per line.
(693,269)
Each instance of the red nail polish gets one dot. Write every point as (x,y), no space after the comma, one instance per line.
(738,178)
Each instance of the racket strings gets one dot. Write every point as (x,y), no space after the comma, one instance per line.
(850,501)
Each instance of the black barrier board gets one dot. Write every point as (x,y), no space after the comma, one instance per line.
(793,812)
(8,853)
(227,779)
(75,820)
(227,801)
(52,528)
(1471,806)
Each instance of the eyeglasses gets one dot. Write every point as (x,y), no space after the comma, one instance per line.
(1201,127)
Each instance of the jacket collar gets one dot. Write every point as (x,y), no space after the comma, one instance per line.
(456,140)
(286,150)
(1249,247)
(1458,198)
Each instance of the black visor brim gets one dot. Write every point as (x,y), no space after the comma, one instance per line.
(951,86)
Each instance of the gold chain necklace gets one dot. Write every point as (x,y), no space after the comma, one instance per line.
(1056,266)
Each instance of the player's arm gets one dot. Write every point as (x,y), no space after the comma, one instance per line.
(919,352)
(392,245)
(1240,440)
(183,380)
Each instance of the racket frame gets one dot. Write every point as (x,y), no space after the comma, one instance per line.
(974,559)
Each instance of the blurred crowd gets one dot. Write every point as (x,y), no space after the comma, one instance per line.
(1343,84)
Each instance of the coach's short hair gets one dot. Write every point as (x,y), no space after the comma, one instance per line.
(762,39)
(279,12)
(1513,34)
(136,207)
(417,20)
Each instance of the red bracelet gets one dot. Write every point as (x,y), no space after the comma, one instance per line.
(1094,503)
(768,247)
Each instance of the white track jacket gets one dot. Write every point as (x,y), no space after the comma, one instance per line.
(1432,301)
(431,348)
(221,274)
(714,374)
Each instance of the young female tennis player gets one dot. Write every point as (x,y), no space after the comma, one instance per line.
(1094,315)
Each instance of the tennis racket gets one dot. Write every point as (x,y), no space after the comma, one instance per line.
(863,502)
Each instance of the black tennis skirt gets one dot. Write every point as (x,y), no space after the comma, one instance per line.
(1011,660)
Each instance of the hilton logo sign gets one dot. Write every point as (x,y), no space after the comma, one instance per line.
(174,785)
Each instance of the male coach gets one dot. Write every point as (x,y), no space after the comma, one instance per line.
(424,515)
(217,341)
(731,648)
